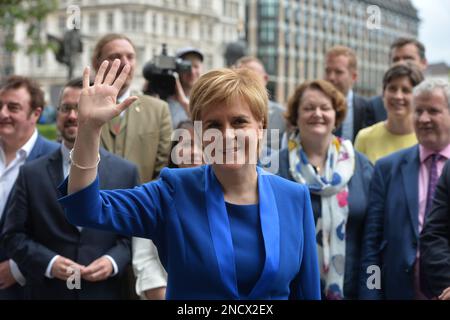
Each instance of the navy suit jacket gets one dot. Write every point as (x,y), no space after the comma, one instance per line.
(36,229)
(375,111)
(359,114)
(184,213)
(41,148)
(358,198)
(391,235)
(435,239)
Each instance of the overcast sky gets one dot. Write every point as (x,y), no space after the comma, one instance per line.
(434,29)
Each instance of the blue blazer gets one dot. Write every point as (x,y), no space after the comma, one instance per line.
(358,200)
(41,148)
(391,233)
(184,214)
(375,111)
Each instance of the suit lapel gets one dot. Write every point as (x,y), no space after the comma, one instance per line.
(270,226)
(356,116)
(55,171)
(220,232)
(36,152)
(134,112)
(410,175)
(103,169)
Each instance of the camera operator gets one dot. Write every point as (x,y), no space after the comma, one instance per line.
(179,102)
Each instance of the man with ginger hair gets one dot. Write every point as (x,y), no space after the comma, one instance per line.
(341,70)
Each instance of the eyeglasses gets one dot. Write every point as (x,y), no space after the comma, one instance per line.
(66,108)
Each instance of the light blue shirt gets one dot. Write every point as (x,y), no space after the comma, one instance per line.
(347,125)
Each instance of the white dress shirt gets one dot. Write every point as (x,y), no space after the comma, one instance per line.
(8,176)
(122,98)
(66,170)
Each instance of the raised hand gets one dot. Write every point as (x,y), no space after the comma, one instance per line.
(97,103)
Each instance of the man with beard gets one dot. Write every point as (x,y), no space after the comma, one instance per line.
(141,134)
(58,260)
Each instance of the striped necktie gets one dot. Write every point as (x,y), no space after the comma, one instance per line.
(432,181)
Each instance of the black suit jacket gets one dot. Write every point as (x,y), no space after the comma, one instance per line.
(435,239)
(375,111)
(36,229)
(359,116)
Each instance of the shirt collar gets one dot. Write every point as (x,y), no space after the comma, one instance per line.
(350,96)
(65,153)
(25,150)
(125,95)
(29,145)
(425,152)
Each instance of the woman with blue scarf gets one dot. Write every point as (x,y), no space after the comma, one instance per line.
(338,178)
(226,230)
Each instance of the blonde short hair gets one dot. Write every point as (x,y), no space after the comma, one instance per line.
(226,86)
(337,51)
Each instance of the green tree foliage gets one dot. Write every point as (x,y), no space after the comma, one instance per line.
(33,14)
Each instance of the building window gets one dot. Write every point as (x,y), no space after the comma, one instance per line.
(269,10)
(133,20)
(62,23)
(38,60)
(206,4)
(110,21)
(155,22)
(93,22)
(165,24)
(140,54)
(226,10)
(210,31)
(176,27)
(187,27)
(267,31)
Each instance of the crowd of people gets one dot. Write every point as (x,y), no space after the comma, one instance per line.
(153,199)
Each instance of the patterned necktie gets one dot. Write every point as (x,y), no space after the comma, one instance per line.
(432,181)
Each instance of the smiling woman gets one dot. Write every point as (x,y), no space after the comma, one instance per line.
(217,227)
(337,177)
(397,132)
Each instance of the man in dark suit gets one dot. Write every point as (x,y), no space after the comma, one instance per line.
(21,104)
(48,250)
(435,241)
(341,70)
(401,191)
(402,49)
